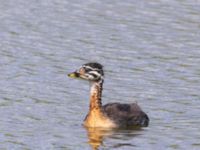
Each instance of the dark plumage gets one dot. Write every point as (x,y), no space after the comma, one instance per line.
(94,65)
(126,114)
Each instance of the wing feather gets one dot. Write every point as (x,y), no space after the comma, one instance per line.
(126,114)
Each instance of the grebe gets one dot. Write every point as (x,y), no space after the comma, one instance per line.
(111,115)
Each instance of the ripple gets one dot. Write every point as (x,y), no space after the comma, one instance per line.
(150,54)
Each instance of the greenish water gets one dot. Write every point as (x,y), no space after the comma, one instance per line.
(150,51)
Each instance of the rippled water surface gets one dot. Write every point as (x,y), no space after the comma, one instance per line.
(151,54)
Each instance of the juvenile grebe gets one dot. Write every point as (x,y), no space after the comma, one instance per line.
(111,115)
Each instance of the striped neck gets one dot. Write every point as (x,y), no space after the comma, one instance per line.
(95,94)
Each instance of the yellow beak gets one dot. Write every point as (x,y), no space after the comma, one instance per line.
(73,75)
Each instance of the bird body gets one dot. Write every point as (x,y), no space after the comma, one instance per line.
(111,115)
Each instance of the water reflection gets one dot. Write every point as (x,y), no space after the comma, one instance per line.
(96,136)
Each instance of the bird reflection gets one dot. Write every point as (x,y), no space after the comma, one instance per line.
(96,136)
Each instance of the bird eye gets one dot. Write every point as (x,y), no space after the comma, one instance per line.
(87,69)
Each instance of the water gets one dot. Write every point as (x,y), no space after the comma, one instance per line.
(150,50)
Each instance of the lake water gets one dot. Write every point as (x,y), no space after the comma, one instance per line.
(151,54)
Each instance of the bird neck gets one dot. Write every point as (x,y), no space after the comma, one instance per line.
(95,94)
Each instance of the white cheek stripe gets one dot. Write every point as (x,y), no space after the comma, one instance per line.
(88,67)
(94,72)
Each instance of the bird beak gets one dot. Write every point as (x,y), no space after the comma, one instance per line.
(74,75)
